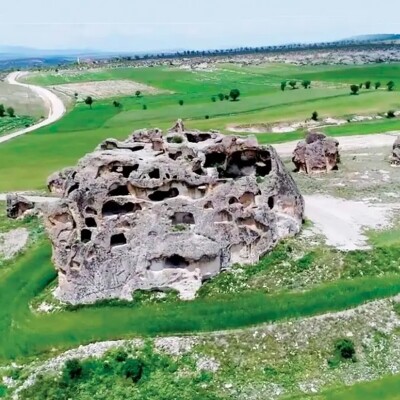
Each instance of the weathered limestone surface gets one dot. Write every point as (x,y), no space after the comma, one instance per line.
(157,213)
(395,160)
(317,153)
(18,206)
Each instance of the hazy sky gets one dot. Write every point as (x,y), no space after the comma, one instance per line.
(170,24)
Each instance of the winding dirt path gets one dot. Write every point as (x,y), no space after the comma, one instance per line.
(55,106)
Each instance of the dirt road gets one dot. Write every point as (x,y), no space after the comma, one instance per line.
(53,104)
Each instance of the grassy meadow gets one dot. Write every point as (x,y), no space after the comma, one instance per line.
(261,101)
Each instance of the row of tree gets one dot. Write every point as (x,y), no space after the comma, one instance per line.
(356,88)
(293,84)
(9,111)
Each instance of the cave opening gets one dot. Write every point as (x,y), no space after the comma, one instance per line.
(113,208)
(214,160)
(118,190)
(118,240)
(176,261)
(155,174)
(90,222)
(183,218)
(160,195)
(86,235)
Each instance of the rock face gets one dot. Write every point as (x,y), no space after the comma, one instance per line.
(56,181)
(156,213)
(317,153)
(395,160)
(18,206)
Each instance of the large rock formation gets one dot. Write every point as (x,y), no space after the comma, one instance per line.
(395,160)
(317,153)
(156,213)
(18,206)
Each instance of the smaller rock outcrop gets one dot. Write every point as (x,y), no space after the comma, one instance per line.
(56,181)
(317,153)
(18,206)
(395,159)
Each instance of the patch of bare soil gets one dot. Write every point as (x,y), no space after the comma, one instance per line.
(106,89)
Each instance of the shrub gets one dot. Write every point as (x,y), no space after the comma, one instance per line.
(234,94)
(314,116)
(89,101)
(207,117)
(377,85)
(293,84)
(368,85)
(213,99)
(345,348)
(306,84)
(120,355)
(11,112)
(181,102)
(177,139)
(221,96)
(283,85)
(138,93)
(391,114)
(72,369)
(226,97)
(144,107)
(133,369)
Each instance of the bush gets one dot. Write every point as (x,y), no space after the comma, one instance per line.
(72,369)
(221,96)
(377,85)
(390,85)
(293,84)
(213,99)
(11,112)
(133,369)
(226,97)
(207,117)
(181,102)
(306,84)
(177,139)
(391,114)
(283,85)
(314,116)
(368,85)
(120,355)
(144,107)
(345,348)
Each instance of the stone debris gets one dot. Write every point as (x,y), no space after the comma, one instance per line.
(395,160)
(317,153)
(159,213)
(18,206)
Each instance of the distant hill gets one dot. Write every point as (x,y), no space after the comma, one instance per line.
(382,37)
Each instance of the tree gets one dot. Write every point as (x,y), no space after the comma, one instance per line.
(314,116)
(181,102)
(221,96)
(293,84)
(234,94)
(138,93)
(226,97)
(354,89)
(89,101)
(144,107)
(361,85)
(390,85)
(117,104)
(306,84)
(283,85)
(213,99)
(391,114)
(368,85)
(377,85)
(11,112)
(2,110)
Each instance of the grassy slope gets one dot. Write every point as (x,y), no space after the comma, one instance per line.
(80,131)
(384,389)
(23,333)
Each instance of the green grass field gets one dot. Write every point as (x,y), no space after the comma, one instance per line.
(262,101)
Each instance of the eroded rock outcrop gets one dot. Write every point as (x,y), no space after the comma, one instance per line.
(395,159)
(156,213)
(56,181)
(18,206)
(317,153)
